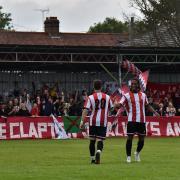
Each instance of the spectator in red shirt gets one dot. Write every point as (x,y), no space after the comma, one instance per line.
(35,110)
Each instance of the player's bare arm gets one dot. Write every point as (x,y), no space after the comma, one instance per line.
(151,109)
(117,105)
(84,114)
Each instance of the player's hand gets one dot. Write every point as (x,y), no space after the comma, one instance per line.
(81,126)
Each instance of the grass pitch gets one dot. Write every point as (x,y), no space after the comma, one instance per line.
(69,160)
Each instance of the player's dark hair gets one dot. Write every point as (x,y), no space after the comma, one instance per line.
(97,84)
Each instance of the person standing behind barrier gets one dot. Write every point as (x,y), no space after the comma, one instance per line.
(134,103)
(170,110)
(99,103)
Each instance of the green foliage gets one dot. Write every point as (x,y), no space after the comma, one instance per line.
(157,12)
(5,20)
(110,25)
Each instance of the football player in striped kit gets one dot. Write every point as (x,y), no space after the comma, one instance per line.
(99,104)
(135,102)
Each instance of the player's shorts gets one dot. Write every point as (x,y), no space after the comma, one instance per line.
(136,128)
(97,132)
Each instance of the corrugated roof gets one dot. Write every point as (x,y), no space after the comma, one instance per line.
(164,37)
(62,39)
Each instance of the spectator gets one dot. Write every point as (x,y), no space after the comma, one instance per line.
(47,107)
(28,102)
(56,107)
(23,111)
(3,110)
(15,111)
(170,110)
(161,110)
(35,110)
(66,109)
(38,102)
(72,107)
(16,102)
(62,106)
(9,108)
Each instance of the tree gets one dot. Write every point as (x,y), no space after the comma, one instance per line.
(158,14)
(109,25)
(5,20)
(112,25)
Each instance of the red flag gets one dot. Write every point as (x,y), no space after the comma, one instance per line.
(143,78)
(116,95)
(131,67)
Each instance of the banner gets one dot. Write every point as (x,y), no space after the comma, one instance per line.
(27,128)
(155,126)
(44,127)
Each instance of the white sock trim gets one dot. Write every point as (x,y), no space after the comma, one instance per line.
(92,157)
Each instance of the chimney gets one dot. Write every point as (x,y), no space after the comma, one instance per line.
(51,25)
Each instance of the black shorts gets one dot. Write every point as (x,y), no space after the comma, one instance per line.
(97,132)
(136,128)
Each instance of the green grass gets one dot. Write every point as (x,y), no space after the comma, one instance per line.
(69,160)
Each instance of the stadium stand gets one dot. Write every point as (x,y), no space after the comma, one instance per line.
(33,62)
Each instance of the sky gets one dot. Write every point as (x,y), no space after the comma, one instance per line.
(74,15)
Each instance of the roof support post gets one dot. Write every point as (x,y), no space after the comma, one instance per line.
(120,59)
(16,56)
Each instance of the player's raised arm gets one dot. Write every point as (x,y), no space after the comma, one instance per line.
(151,109)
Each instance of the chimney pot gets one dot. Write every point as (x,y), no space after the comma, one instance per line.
(51,25)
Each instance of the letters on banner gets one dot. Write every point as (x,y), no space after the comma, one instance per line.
(44,127)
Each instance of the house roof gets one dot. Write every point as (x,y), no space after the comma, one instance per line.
(62,39)
(163,37)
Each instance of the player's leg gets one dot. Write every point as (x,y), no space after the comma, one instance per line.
(92,149)
(129,147)
(131,129)
(100,146)
(100,137)
(92,143)
(140,144)
(141,137)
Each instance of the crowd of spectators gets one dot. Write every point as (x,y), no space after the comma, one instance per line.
(166,102)
(49,101)
(43,102)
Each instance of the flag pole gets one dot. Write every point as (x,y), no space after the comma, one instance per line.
(119,59)
(108,72)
